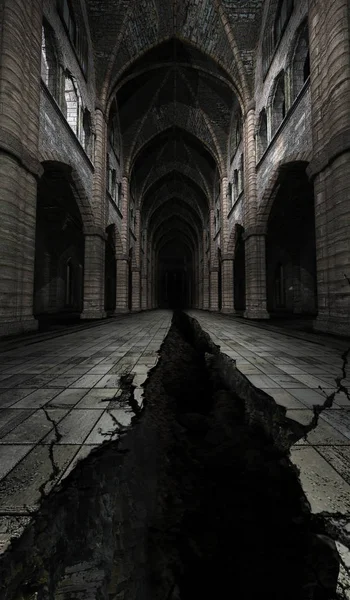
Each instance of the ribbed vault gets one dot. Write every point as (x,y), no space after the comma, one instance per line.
(176,76)
(175,109)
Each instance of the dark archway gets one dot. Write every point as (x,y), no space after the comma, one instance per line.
(175,276)
(130,280)
(291,245)
(110,270)
(219,280)
(59,253)
(239,271)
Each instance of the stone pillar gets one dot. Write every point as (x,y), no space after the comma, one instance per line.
(227,261)
(95,237)
(122,285)
(255,246)
(20,60)
(144,271)
(330,167)
(205,295)
(214,284)
(227,284)
(255,252)
(136,289)
(136,267)
(94,275)
(123,261)
(214,270)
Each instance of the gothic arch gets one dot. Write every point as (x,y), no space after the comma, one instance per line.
(268,196)
(52,159)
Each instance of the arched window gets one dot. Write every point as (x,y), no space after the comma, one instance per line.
(301,62)
(284,11)
(49,62)
(236,133)
(235,184)
(87,134)
(241,175)
(71,103)
(278,104)
(262,140)
(69,283)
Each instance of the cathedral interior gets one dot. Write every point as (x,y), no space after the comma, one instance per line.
(174,299)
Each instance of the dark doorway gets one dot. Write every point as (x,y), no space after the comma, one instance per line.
(59,248)
(291,246)
(130,280)
(239,271)
(219,280)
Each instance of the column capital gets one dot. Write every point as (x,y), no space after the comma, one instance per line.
(257,231)
(251,106)
(227,256)
(91,231)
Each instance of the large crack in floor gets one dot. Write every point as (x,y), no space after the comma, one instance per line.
(197,498)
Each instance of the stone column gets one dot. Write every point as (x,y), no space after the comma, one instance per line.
(255,243)
(214,270)
(330,167)
(136,289)
(94,275)
(20,61)
(144,271)
(122,304)
(122,285)
(136,267)
(206,296)
(95,237)
(255,252)
(227,261)
(227,284)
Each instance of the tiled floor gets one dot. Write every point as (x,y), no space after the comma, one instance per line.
(299,371)
(71,380)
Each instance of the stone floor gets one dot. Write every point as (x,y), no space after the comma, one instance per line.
(299,371)
(57,390)
(56,394)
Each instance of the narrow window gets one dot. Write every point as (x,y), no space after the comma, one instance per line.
(262,134)
(49,62)
(72,104)
(87,132)
(301,62)
(284,11)
(278,105)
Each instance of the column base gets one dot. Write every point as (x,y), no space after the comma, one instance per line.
(18,327)
(121,310)
(228,311)
(256,313)
(93,314)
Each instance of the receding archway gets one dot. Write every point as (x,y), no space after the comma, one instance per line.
(175,272)
(291,245)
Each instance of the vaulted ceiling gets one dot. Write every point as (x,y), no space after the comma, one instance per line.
(179,70)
